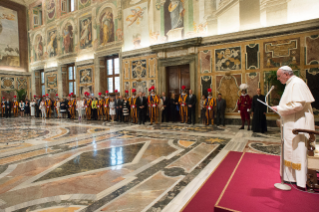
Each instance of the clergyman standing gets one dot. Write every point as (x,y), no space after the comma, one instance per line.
(259,110)
(191,103)
(221,107)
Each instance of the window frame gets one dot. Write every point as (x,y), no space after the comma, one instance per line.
(42,84)
(113,75)
(73,78)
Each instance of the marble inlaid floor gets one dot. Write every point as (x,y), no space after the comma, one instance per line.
(66,165)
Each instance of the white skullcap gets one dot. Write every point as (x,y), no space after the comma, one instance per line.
(287,69)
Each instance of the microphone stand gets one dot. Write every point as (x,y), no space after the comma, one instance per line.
(281,185)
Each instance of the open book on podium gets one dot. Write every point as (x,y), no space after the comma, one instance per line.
(281,185)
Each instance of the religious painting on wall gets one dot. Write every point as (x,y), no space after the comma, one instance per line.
(67,46)
(52,44)
(86,33)
(205,61)
(174,15)
(252,80)
(38,48)
(312,50)
(85,75)
(152,67)
(106,26)
(282,52)
(9,38)
(228,59)
(84,3)
(136,33)
(252,56)
(7,82)
(50,9)
(8,95)
(126,70)
(139,69)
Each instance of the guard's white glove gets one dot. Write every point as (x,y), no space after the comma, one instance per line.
(238,111)
(248,110)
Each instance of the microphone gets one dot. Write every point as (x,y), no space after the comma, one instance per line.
(272,88)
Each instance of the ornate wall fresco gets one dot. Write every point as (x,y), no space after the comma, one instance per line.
(107,29)
(282,52)
(205,61)
(52,43)
(10,83)
(67,38)
(228,59)
(252,56)
(7,82)
(22,83)
(142,72)
(85,32)
(312,50)
(51,84)
(136,33)
(9,38)
(85,79)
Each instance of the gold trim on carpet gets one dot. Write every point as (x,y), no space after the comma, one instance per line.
(221,195)
(203,183)
(295,166)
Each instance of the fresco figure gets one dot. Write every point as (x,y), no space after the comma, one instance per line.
(39,48)
(52,45)
(176,10)
(86,33)
(108,28)
(67,39)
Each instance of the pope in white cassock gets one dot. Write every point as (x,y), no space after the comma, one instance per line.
(296,111)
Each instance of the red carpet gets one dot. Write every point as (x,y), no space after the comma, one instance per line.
(206,197)
(252,189)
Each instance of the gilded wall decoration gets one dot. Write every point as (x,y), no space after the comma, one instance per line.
(9,38)
(8,95)
(228,86)
(52,44)
(252,56)
(152,66)
(22,83)
(228,59)
(312,76)
(138,69)
(106,20)
(206,82)
(85,32)
(126,70)
(205,61)
(282,52)
(7,82)
(127,87)
(51,81)
(312,50)
(252,79)
(140,86)
(86,75)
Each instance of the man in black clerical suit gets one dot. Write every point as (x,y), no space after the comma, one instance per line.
(8,108)
(141,104)
(38,111)
(165,106)
(259,113)
(191,103)
(119,108)
(221,107)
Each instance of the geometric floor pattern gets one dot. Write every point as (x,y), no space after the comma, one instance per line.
(65,165)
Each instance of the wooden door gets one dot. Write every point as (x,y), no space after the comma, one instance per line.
(176,76)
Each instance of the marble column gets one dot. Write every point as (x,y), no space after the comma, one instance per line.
(273,12)
(60,81)
(33,84)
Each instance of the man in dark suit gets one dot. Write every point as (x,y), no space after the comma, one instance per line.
(119,107)
(221,106)
(165,106)
(141,104)
(38,112)
(191,103)
(8,108)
